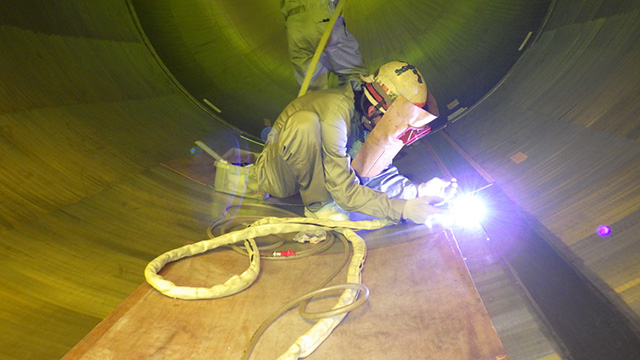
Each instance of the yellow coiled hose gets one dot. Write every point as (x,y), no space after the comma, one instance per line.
(327,321)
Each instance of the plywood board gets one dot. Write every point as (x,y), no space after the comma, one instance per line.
(423,305)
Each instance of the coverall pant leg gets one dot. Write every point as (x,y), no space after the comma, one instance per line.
(291,161)
(341,54)
(304,31)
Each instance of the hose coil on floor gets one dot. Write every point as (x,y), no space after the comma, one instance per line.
(308,342)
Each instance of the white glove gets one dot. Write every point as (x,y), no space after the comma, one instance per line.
(438,187)
(421,211)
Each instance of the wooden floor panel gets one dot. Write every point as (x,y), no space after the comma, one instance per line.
(423,305)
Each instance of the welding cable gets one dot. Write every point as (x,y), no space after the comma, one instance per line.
(313,338)
(301,301)
(225,225)
(335,312)
(237,283)
(222,226)
(302,310)
(320,288)
(313,249)
(320,331)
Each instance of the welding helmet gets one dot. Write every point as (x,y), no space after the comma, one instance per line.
(399,93)
(393,79)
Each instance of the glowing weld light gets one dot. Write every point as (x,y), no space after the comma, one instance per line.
(468,210)
(604,230)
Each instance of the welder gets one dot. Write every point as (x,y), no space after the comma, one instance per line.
(335,147)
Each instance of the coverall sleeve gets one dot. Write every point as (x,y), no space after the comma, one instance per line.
(392,183)
(342,182)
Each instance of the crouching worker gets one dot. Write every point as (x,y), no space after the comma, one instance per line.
(312,143)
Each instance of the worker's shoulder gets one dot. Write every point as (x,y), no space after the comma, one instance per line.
(335,96)
(335,103)
(330,104)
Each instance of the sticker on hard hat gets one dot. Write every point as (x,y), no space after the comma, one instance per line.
(408,67)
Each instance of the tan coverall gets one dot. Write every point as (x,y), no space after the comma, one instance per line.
(306,20)
(306,152)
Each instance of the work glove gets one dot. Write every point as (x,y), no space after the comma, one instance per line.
(438,187)
(421,210)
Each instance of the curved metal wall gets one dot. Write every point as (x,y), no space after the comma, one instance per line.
(87,113)
(234,52)
(560,135)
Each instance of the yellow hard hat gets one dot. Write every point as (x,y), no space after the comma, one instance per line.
(393,79)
